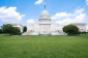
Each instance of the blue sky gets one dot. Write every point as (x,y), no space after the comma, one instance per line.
(31,10)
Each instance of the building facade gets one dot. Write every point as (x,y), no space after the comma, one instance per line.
(44,26)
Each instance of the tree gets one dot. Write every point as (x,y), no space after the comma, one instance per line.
(24,29)
(9,29)
(71,30)
(16,31)
(0,31)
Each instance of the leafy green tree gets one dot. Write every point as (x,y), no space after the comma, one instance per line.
(9,29)
(16,31)
(0,31)
(71,29)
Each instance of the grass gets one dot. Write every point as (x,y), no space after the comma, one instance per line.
(43,46)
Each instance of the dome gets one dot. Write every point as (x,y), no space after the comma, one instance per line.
(44,15)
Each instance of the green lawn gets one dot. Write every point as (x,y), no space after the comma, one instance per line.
(43,46)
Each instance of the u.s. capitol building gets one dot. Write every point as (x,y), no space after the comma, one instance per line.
(44,26)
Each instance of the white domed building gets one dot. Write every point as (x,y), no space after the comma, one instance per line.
(44,26)
(44,23)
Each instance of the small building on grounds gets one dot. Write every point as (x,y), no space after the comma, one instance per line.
(81,26)
(18,26)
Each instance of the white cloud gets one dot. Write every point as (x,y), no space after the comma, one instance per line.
(39,1)
(10,15)
(64,18)
(87,2)
(30,21)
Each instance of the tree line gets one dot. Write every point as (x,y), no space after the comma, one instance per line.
(11,30)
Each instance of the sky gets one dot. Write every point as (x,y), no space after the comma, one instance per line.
(28,11)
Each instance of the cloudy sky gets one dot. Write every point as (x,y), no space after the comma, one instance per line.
(28,11)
